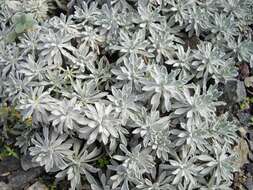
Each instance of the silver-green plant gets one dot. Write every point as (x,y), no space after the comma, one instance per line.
(134,83)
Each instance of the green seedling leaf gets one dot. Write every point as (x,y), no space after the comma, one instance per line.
(16,18)
(8,152)
(22,22)
(20,28)
(11,37)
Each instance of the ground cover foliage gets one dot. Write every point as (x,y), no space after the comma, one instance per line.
(113,92)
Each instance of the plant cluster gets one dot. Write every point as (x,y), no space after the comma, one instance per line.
(125,80)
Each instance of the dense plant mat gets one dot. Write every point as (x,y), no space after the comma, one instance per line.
(128,94)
